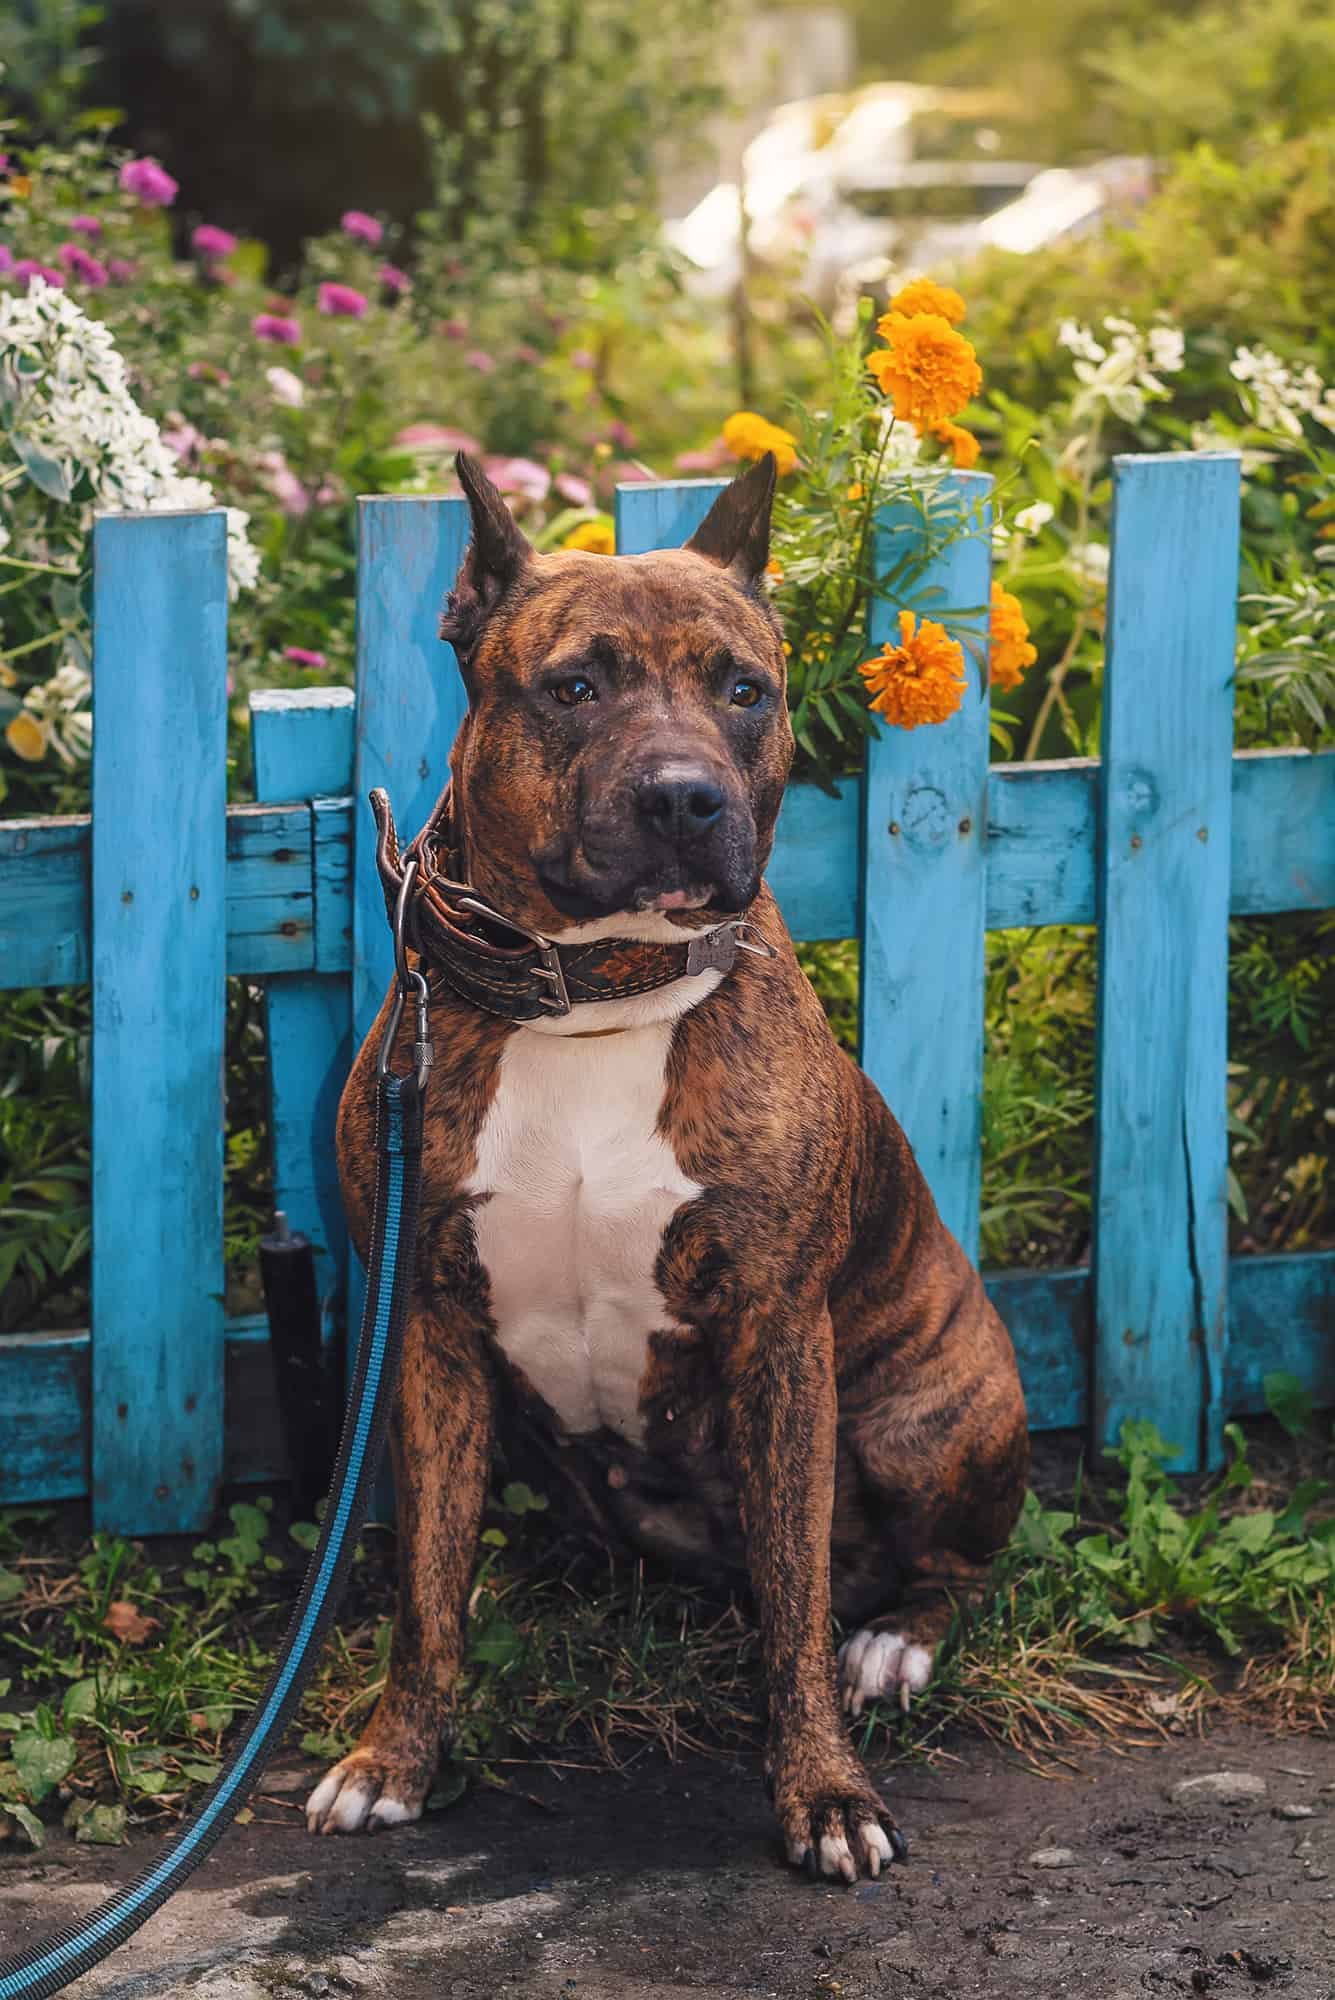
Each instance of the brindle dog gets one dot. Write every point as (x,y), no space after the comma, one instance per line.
(677,1239)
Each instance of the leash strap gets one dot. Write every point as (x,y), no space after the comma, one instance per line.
(46,1968)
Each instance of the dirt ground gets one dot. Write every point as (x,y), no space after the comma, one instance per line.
(666,1882)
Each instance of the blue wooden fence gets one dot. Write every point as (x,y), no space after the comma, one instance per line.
(164,891)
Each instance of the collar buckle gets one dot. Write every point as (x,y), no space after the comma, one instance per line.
(548,968)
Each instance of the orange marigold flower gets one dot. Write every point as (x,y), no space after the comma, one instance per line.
(749,435)
(922,679)
(928,370)
(962,445)
(1010,651)
(923,295)
(596,538)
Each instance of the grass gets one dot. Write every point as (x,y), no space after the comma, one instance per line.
(1140,1608)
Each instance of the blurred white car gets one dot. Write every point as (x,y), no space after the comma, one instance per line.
(897,177)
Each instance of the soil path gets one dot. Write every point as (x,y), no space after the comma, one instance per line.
(666,1883)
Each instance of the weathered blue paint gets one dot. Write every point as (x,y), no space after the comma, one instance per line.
(159,853)
(1160,1212)
(924,880)
(410,701)
(1281,1310)
(1283,850)
(303,744)
(814,868)
(1040,843)
(44,868)
(662,515)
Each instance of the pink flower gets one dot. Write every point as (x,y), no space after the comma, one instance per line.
(621,434)
(150,184)
(523,476)
(86,225)
(277,327)
(436,437)
(280,480)
(81,263)
(301,656)
(210,241)
(710,458)
(574,489)
(453,329)
(28,268)
(342,302)
(581,358)
(361,225)
(6,259)
(185,441)
(394,281)
(528,355)
(484,363)
(122,271)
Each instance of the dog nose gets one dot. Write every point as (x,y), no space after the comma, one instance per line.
(679,805)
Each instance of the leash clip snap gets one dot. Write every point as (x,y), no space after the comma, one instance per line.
(408,984)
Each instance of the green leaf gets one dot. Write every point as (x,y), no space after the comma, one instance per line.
(27,1821)
(11,1586)
(201,1771)
(252,1523)
(1288,1402)
(517,1498)
(102,1826)
(495,1538)
(45,472)
(42,1761)
(305,1534)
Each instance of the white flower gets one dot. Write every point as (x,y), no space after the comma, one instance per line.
(1080,341)
(65,391)
(60,705)
(287,387)
(1277,398)
(1090,561)
(1031,519)
(1168,349)
(901,442)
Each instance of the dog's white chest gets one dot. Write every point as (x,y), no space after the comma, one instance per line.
(579,1188)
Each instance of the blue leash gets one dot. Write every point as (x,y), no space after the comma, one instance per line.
(48,1967)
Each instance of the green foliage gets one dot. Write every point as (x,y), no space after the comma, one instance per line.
(1249,1575)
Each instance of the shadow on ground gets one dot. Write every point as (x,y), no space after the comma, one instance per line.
(666,1882)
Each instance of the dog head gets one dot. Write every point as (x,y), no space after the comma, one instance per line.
(627,737)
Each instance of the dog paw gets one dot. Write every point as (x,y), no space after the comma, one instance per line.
(880,1666)
(841,1837)
(363,1794)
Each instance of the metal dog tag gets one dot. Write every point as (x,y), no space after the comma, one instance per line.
(716,950)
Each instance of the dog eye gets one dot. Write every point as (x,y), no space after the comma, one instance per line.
(745,694)
(570,693)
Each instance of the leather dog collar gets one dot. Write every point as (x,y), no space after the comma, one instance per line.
(523,975)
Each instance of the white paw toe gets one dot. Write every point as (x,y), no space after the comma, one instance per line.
(348,1801)
(836,1857)
(875,1666)
(879,1850)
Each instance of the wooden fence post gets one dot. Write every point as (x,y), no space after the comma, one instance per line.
(1161,1154)
(924,877)
(661,516)
(159,1014)
(302,743)
(410,701)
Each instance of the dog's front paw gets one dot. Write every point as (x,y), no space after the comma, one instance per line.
(365,1792)
(881,1666)
(838,1827)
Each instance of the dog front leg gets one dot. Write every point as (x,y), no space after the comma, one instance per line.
(781,1430)
(440,1438)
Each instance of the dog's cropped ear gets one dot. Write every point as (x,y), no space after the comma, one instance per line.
(735,531)
(496,555)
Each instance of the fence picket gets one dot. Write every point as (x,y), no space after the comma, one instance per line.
(302,743)
(1161,1157)
(924,882)
(661,516)
(410,701)
(159,999)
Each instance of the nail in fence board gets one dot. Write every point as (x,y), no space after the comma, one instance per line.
(158,969)
(1160,1214)
(302,743)
(924,881)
